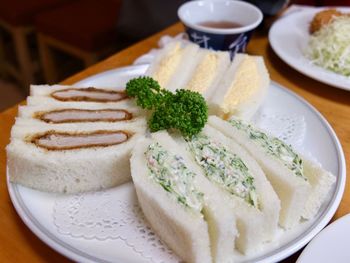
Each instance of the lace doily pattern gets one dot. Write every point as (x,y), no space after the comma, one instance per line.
(288,128)
(115,214)
(101,215)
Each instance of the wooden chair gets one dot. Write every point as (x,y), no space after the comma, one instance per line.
(84,29)
(16,18)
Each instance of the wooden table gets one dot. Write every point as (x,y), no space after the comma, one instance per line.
(19,244)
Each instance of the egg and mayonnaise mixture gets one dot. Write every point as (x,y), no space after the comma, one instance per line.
(204,73)
(246,83)
(168,65)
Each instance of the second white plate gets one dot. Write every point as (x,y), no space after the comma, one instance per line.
(330,245)
(289,37)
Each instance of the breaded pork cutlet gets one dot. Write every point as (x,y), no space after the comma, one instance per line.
(323,18)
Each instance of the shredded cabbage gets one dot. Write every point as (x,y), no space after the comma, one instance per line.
(329,47)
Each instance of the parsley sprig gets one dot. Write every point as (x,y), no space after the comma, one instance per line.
(183,110)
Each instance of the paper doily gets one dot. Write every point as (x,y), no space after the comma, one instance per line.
(106,215)
(288,128)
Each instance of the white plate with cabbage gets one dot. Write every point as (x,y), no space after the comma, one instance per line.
(290,39)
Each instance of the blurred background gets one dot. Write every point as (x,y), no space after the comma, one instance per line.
(45,41)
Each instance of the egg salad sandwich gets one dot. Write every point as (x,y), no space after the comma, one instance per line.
(209,67)
(186,66)
(301,185)
(236,88)
(171,63)
(245,191)
(72,158)
(242,89)
(183,208)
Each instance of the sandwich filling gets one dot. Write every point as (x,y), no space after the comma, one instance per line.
(89,94)
(172,174)
(273,147)
(168,65)
(246,82)
(53,140)
(204,74)
(83,115)
(224,168)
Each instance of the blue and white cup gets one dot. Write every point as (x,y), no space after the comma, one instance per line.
(194,14)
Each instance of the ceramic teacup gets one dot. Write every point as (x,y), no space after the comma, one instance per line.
(220,24)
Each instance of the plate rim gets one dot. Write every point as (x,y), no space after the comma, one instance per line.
(309,73)
(282,252)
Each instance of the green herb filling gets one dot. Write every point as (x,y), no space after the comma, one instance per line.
(224,168)
(274,147)
(171,173)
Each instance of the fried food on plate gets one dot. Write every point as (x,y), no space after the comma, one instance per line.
(323,18)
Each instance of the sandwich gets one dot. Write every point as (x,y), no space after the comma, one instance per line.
(245,191)
(183,208)
(301,185)
(172,62)
(186,66)
(60,93)
(242,89)
(236,88)
(72,158)
(209,68)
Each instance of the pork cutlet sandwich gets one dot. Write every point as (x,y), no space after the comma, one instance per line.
(71,139)
(71,158)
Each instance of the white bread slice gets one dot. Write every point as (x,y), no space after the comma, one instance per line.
(321,182)
(221,222)
(70,171)
(254,224)
(208,71)
(299,197)
(41,94)
(243,88)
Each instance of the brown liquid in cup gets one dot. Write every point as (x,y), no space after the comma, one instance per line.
(220,24)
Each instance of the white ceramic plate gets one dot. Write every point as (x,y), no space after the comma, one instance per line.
(330,245)
(289,36)
(36,208)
